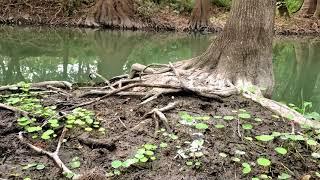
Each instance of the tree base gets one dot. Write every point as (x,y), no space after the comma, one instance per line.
(113,13)
(154,80)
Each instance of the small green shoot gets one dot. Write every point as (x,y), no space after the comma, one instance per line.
(264,162)
(247,126)
(246,168)
(202,126)
(75,163)
(219,126)
(264,138)
(228,118)
(284,176)
(281,150)
(244,116)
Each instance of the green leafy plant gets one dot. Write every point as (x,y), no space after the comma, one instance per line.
(247,126)
(281,150)
(228,118)
(263,162)
(265,138)
(202,126)
(246,168)
(284,176)
(219,126)
(244,116)
(75,163)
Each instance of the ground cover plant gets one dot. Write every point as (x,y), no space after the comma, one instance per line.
(201,138)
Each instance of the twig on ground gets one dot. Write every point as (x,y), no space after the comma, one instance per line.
(122,123)
(238,124)
(54,155)
(104,79)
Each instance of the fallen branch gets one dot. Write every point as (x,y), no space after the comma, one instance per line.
(54,155)
(281,110)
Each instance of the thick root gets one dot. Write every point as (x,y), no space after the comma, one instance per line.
(282,110)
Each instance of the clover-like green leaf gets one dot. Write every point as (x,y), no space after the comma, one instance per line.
(281,150)
(116,164)
(265,138)
(264,162)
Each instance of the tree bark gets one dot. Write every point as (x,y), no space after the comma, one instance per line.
(308,8)
(242,54)
(200,15)
(112,13)
(317,11)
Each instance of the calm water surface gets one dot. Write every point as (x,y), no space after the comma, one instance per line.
(38,54)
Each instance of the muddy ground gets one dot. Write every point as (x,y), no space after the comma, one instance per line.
(73,14)
(119,114)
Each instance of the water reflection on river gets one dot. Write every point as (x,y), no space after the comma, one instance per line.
(38,54)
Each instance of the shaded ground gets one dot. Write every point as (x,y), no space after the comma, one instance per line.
(229,140)
(74,13)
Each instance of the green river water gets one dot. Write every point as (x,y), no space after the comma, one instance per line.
(39,54)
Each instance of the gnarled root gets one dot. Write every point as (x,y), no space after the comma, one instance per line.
(112,13)
(54,155)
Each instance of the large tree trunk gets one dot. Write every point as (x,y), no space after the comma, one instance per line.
(317,11)
(242,54)
(308,8)
(112,13)
(200,15)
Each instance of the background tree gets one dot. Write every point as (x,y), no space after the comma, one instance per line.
(112,13)
(200,15)
(308,8)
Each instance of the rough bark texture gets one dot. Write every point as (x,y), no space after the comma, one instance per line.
(308,8)
(242,54)
(200,15)
(112,13)
(317,11)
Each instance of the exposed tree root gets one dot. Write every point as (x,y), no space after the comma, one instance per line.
(13,109)
(197,81)
(158,113)
(282,110)
(45,84)
(54,155)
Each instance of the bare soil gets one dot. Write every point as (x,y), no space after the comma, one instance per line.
(297,163)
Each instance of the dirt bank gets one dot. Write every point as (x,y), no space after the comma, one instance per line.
(54,13)
(228,142)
